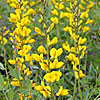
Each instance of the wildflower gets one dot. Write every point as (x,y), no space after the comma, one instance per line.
(54,20)
(38,31)
(13,62)
(55,53)
(56,64)
(85,29)
(62,92)
(41,50)
(50,27)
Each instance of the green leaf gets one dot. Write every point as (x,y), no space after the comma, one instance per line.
(1,66)
(1,82)
(61,82)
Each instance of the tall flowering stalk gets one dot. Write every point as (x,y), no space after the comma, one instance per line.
(50,64)
(77,15)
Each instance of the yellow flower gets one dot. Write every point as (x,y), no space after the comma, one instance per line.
(38,31)
(79,74)
(54,20)
(21,60)
(41,50)
(63,14)
(85,29)
(55,53)
(54,12)
(15,82)
(4,41)
(44,66)
(37,57)
(26,31)
(58,74)
(53,76)
(56,64)
(13,62)
(50,27)
(89,21)
(66,46)
(91,4)
(82,41)
(49,77)
(62,92)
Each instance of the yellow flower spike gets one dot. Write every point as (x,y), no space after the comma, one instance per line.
(41,50)
(85,29)
(44,66)
(62,92)
(56,64)
(50,28)
(54,20)
(36,57)
(53,41)
(38,31)
(12,62)
(50,77)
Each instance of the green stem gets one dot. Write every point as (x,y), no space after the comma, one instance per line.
(74,89)
(52,92)
(6,67)
(5,95)
(79,88)
(97,97)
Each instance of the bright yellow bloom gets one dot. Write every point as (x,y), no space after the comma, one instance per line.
(41,50)
(26,31)
(56,64)
(37,57)
(50,27)
(13,62)
(54,20)
(55,53)
(82,41)
(66,46)
(44,66)
(38,31)
(54,12)
(62,92)
(91,4)
(85,29)
(53,76)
